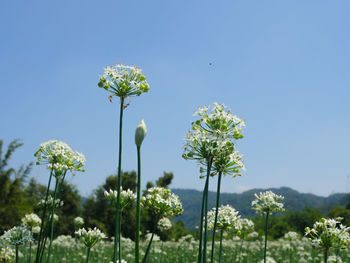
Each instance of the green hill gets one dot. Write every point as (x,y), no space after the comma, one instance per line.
(293,201)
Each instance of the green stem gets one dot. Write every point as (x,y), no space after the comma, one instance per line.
(267,218)
(88,254)
(240,249)
(216,216)
(200,254)
(138,212)
(17,254)
(148,248)
(117,215)
(52,221)
(325,255)
(206,215)
(220,249)
(38,250)
(30,247)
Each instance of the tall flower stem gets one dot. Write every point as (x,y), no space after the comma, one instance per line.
(204,198)
(150,242)
(325,255)
(138,212)
(240,250)
(216,216)
(267,219)
(117,245)
(206,213)
(16,253)
(220,249)
(30,247)
(88,255)
(38,251)
(57,186)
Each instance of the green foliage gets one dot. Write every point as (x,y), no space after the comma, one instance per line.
(99,212)
(341,211)
(13,202)
(71,208)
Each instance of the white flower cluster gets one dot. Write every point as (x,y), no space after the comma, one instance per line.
(291,236)
(228,218)
(126,197)
(245,225)
(212,137)
(78,221)
(90,237)
(267,202)
(161,202)
(164,224)
(7,254)
(268,260)
(17,235)
(49,202)
(60,157)
(124,81)
(32,222)
(329,233)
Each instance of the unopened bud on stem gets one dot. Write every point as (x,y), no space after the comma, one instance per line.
(140,133)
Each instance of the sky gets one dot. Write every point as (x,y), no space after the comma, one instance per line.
(283,66)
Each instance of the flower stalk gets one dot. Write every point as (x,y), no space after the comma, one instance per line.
(216,216)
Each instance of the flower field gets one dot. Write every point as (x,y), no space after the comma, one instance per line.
(70,250)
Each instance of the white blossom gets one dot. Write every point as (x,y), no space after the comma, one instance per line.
(59,157)
(90,237)
(267,202)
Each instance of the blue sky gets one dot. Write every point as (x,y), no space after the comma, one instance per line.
(281,65)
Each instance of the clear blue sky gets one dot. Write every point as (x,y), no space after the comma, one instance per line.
(284,66)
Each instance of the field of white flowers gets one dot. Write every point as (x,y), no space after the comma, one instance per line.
(70,250)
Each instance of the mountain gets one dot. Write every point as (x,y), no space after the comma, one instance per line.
(293,201)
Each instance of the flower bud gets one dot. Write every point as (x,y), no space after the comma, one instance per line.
(140,133)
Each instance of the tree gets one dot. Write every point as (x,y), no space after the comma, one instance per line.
(13,202)
(99,212)
(343,212)
(71,208)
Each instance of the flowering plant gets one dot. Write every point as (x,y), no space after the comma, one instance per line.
(267,202)
(60,157)
(90,237)
(328,233)
(126,197)
(161,202)
(124,81)
(227,219)
(164,224)
(17,235)
(212,137)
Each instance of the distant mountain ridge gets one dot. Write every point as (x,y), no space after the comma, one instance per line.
(293,201)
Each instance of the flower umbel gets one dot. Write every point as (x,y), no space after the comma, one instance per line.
(228,218)
(90,237)
(213,137)
(124,81)
(328,233)
(17,235)
(60,157)
(126,197)
(161,202)
(267,202)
